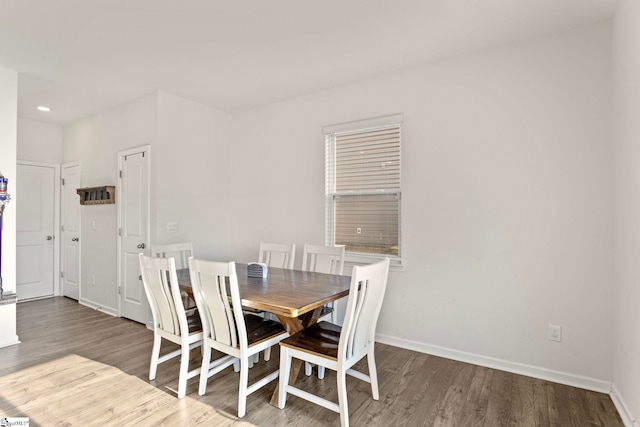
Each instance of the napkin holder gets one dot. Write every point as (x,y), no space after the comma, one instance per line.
(257,269)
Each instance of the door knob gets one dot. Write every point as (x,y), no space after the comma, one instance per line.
(75,239)
(49,237)
(141,246)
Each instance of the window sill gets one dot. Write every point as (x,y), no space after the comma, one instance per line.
(353,258)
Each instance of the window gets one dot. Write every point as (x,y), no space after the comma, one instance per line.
(363,187)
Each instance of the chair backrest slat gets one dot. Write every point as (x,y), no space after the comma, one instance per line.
(277,255)
(323,259)
(222,320)
(166,305)
(368,285)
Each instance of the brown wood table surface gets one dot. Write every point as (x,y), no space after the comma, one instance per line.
(295,297)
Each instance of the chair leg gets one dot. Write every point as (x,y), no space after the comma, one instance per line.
(320,372)
(285,368)
(373,374)
(267,354)
(204,370)
(308,369)
(236,365)
(155,355)
(342,398)
(184,369)
(242,389)
(256,358)
(334,313)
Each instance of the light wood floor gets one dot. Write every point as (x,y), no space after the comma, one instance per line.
(79,367)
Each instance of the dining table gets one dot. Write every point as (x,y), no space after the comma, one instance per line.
(295,297)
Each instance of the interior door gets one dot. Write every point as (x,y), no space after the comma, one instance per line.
(134,232)
(70,231)
(35,219)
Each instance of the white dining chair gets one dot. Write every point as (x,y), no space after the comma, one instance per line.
(277,255)
(227,329)
(323,259)
(181,252)
(339,348)
(170,320)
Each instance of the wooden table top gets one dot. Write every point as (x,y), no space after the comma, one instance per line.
(289,293)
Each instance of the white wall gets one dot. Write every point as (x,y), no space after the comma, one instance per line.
(39,141)
(626,77)
(189,174)
(507,217)
(95,142)
(8,125)
(190,169)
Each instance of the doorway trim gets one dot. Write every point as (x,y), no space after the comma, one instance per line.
(56,218)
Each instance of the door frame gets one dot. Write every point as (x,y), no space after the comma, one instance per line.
(56,217)
(121,156)
(66,165)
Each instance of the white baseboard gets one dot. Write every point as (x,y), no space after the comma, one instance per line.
(587,383)
(96,306)
(9,341)
(621,406)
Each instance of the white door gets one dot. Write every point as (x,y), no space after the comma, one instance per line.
(35,218)
(70,231)
(133,232)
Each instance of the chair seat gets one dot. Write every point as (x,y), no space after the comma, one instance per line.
(260,329)
(194,322)
(321,338)
(188,302)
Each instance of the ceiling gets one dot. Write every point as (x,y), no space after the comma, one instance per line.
(83,56)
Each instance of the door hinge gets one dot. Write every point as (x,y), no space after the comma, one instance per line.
(61,274)
(119,287)
(62,179)
(140,277)
(62,228)
(120,173)
(120,231)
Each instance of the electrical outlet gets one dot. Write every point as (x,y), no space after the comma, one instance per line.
(554,333)
(359,230)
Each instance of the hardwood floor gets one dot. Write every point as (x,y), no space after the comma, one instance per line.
(79,367)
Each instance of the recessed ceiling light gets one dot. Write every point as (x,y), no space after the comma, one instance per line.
(43,108)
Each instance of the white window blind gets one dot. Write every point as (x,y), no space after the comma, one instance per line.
(363,191)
